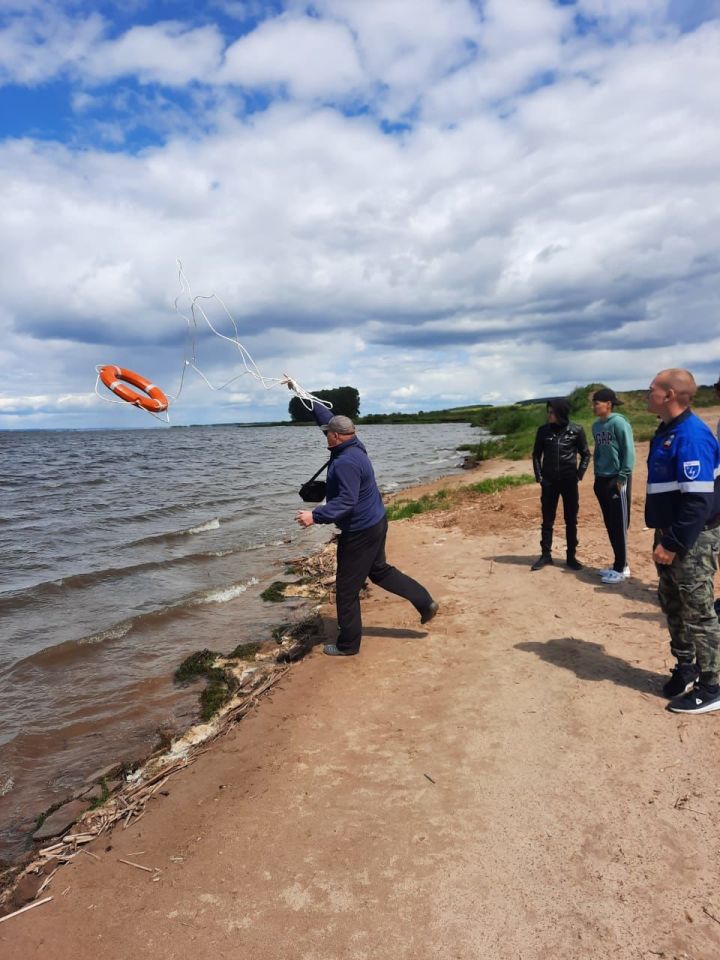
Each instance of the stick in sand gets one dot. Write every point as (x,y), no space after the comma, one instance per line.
(30,906)
(138,865)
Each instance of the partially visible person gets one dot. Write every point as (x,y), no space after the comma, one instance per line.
(683,506)
(717,434)
(613,460)
(354,503)
(560,458)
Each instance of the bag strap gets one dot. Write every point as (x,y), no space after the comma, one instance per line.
(316,475)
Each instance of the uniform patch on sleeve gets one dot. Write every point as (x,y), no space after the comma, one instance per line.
(691,469)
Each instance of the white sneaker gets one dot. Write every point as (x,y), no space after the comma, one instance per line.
(606,570)
(612,576)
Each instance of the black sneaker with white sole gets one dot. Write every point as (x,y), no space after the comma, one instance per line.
(700,699)
(682,680)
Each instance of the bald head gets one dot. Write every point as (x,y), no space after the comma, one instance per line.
(671,392)
(681,381)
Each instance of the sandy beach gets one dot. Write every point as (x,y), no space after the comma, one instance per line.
(505,784)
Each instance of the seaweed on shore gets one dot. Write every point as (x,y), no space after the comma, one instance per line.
(275,593)
(244,651)
(221,683)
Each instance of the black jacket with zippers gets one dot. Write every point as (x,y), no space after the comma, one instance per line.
(557,449)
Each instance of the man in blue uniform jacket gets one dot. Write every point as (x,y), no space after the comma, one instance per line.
(354,503)
(683,505)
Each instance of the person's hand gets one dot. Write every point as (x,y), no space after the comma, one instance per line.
(305,518)
(580,475)
(662,556)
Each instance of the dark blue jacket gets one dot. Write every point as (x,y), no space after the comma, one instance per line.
(353,500)
(683,487)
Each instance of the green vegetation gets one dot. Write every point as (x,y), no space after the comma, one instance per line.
(452,415)
(445,499)
(221,684)
(516,424)
(401,510)
(196,665)
(275,593)
(345,401)
(99,801)
(245,651)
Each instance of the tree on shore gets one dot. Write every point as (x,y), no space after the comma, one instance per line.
(344,400)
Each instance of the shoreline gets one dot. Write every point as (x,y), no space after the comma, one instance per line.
(511,759)
(109,784)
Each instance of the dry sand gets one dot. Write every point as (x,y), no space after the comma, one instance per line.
(505,785)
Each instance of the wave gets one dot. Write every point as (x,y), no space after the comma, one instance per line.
(77,581)
(227,593)
(62,654)
(213,524)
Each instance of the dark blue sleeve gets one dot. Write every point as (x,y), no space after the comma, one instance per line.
(347,474)
(321,413)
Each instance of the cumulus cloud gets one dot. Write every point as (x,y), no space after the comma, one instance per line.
(545,215)
(310,58)
(167,53)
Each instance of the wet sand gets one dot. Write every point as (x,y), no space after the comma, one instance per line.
(504,783)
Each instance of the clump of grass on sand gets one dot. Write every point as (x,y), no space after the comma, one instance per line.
(445,499)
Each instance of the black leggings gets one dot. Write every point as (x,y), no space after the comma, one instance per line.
(361,555)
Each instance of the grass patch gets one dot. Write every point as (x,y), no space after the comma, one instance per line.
(444,499)
(441,500)
(496,484)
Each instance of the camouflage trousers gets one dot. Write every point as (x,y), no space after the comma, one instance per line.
(686,594)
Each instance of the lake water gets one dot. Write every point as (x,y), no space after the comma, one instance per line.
(121,552)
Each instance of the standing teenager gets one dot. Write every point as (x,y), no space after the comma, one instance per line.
(560,458)
(613,459)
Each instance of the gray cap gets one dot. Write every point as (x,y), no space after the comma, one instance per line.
(339,424)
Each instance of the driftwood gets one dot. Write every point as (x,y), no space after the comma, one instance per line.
(30,906)
(139,866)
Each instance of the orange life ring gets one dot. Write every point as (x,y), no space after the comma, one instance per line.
(152,398)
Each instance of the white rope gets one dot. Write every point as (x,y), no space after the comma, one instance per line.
(268,383)
(250,367)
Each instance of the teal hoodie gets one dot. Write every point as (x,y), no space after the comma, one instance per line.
(614,454)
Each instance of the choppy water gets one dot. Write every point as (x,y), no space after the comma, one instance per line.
(123,551)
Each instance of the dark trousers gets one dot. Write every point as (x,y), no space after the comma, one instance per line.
(615,505)
(552,490)
(361,555)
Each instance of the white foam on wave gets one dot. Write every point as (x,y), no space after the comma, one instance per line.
(210,525)
(113,633)
(6,785)
(228,593)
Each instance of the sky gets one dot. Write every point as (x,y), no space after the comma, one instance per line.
(438,202)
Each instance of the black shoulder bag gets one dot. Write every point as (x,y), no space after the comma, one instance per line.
(314,490)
